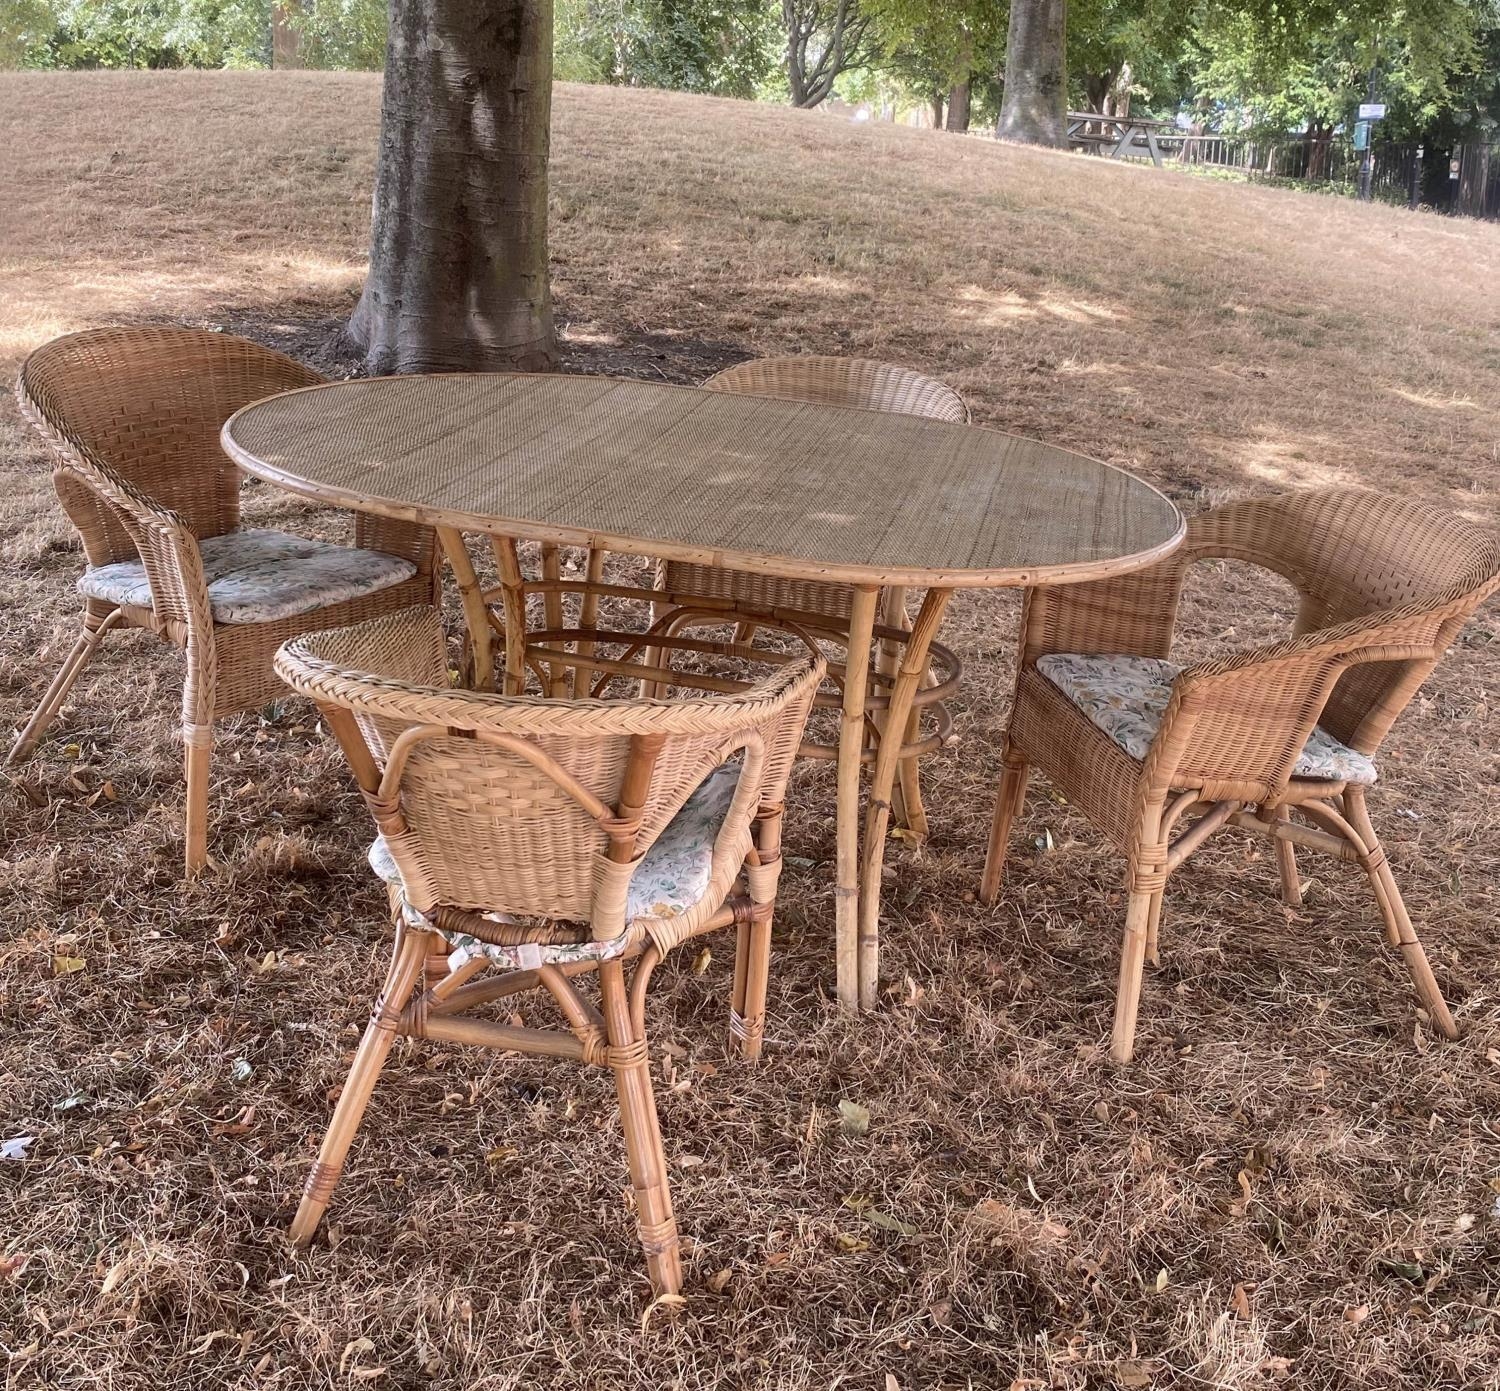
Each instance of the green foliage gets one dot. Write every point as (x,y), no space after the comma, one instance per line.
(341,34)
(148,34)
(721,47)
(187,33)
(1272,73)
(930,46)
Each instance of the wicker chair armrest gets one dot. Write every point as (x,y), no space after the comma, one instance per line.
(1132,614)
(162,539)
(360,668)
(1244,719)
(408,540)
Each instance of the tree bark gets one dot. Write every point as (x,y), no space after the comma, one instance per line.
(286,41)
(835,31)
(937,111)
(458,240)
(1035,108)
(958,106)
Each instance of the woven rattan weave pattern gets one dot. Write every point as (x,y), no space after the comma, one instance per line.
(786,488)
(132,417)
(1384,584)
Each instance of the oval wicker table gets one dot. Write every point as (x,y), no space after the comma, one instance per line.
(782,488)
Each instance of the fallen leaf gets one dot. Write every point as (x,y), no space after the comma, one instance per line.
(12,1267)
(354,1349)
(501,1153)
(209,1339)
(1162,1279)
(1133,1374)
(886,1222)
(891,1384)
(1358,1314)
(662,1301)
(1239,1301)
(700,962)
(114,1275)
(847,1241)
(1407,1270)
(854,1119)
(67,965)
(718,1282)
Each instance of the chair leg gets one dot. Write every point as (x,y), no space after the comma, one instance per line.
(1008,803)
(1398,928)
(752,982)
(198,749)
(1286,865)
(1132,968)
(631,1064)
(1153,929)
(401,979)
(907,805)
(67,676)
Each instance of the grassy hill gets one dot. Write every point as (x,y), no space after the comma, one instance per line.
(1291,1185)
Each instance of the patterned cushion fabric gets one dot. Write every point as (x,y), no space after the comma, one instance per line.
(672,876)
(261,576)
(1126,697)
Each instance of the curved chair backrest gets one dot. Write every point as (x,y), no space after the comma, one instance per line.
(842,381)
(149,403)
(503,803)
(1359,557)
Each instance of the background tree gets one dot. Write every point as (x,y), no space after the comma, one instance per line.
(1309,72)
(1119,49)
(723,48)
(935,49)
(1034,109)
(458,240)
(824,38)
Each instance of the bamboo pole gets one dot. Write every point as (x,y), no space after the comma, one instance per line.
(851,745)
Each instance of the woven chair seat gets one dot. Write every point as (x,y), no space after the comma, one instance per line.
(1126,696)
(259,576)
(672,878)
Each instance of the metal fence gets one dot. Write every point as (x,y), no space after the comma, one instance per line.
(1459,179)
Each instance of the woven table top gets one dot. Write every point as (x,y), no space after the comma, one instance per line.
(782,488)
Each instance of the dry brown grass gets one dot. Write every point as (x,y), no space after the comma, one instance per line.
(1293,1184)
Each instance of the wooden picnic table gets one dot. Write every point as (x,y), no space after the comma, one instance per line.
(1119,136)
(784,488)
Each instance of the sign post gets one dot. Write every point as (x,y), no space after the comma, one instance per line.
(1370,111)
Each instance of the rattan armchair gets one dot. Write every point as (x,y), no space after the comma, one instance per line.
(1251,739)
(704,593)
(550,838)
(132,416)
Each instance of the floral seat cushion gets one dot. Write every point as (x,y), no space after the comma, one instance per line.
(671,878)
(261,576)
(1126,697)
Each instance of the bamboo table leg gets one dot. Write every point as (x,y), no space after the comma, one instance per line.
(851,742)
(877,819)
(513,591)
(478,620)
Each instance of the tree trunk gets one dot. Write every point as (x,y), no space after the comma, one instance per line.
(458,240)
(286,40)
(1035,109)
(958,106)
(937,111)
(960,93)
